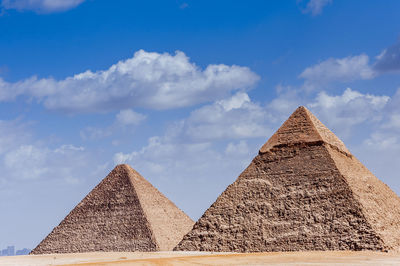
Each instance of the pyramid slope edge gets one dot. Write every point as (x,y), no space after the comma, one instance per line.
(380,204)
(169,228)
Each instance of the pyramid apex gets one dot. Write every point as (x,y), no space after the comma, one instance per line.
(123,165)
(303,127)
(125,168)
(302,108)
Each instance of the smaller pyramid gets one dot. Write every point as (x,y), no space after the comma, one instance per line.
(124,212)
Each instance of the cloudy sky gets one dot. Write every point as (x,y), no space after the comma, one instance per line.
(184,91)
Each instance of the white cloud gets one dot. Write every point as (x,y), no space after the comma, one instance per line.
(125,119)
(287,101)
(338,69)
(94,133)
(12,133)
(24,157)
(129,117)
(351,68)
(63,149)
(385,136)
(240,148)
(355,99)
(163,156)
(149,80)
(315,7)
(235,102)
(342,112)
(27,160)
(161,153)
(32,162)
(45,6)
(382,141)
(238,117)
(32,87)
(235,117)
(394,122)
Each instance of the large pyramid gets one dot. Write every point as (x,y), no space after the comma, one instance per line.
(303,191)
(124,212)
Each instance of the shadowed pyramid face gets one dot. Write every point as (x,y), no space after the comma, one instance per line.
(122,213)
(304,191)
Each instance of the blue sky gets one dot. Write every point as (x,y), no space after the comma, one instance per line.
(184,91)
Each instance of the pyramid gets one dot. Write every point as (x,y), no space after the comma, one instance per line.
(303,191)
(124,212)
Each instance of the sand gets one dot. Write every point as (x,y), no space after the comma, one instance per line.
(204,258)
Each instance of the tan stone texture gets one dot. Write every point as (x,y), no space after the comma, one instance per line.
(303,127)
(124,212)
(304,191)
(381,205)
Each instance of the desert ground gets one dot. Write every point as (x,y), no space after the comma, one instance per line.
(205,258)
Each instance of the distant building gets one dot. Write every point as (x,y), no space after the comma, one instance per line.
(23,251)
(10,251)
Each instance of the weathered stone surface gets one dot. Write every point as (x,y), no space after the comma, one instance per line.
(123,212)
(304,191)
(380,204)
